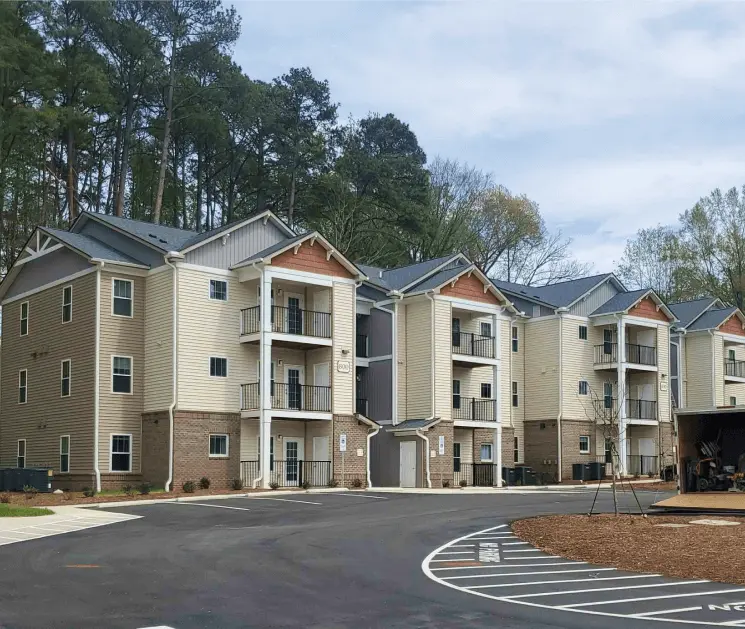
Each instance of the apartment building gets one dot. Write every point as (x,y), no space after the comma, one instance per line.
(596,372)
(137,352)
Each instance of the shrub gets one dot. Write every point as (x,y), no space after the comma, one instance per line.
(5,498)
(236,484)
(30,491)
(651,474)
(274,485)
(305,485)
(333,483)
(204,483)
(89,492)
(129,490)
(445,483)
(357,483)
(189,487)
(463,483)
(145,489)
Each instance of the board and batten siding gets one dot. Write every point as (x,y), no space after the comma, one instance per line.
(342,368)
(46,415)
(208,327)
(158,341)
(418,358)
(541,369)
(121,336)
(593,301)
(443,360)
(227,250)
(698,355)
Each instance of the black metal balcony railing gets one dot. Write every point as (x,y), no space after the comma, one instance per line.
(360,405)
(476,474)
(362,346)
(289,397)
(639,465)
(476,409)
(641,409)
(470,344)
(606,408)
(734,368)
(288,321)
(607,353)
(289,473)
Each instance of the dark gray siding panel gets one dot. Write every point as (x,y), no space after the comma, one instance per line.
(125,244)
(384,464)
(380,333)
(49,268)
(377,385)
(225,251)
(370,293)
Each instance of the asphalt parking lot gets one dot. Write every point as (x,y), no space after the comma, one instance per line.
(308,560)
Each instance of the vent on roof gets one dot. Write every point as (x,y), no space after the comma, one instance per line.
(380,274)
(152,235)
(163,241)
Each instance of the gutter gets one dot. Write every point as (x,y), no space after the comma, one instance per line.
(419,433)
(97,381)
(714,371)
(174,361)
(432,378)
(560,312)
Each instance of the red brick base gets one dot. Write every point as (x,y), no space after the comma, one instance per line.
(354,467)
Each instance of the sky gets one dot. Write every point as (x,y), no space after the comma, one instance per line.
(612,115)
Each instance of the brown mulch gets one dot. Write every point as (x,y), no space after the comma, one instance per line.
(633,543)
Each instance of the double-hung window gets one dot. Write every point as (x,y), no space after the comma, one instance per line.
(64,454)
(515,397)
(584,444)
(517,449)
(23,386)
(584,387)
(456,457)
(67,304)
(24,318)
(21,459)
(485,329)
(218,367)
(731,355)
(122,298)
(583,332)
(486,452)
(65,377)
(219,290)
(456,393)
(515,341)
(486,390)
(732,401)
(121,453)
(608,395)
(219,445)
(121,374)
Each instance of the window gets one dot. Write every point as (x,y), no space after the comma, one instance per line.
(608,450)
(731,355)
(67,304)
(514,339)
(121,453)
(456,332)
(21,462)
(485,328)
(22,386)
(517,449)
(607,341)
(121,371)
(515,399)
(65,374)
(456,393)
(584,444)
(218,445)
(219,290)
(122,298)
(456,457)
(218,367)
(64,454)
(24,318)
(583,387)
(733,401)
(486,390)
(583,332)
(608,395)
(486,452)
(271,376)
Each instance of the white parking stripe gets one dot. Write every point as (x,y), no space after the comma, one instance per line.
(663,612)
(532,558)
(493,537)
(522,565)
(517,574)
(648,598)
(202,504)
(613,589)
(305,502)
(459,552)
(360,496)
(734,623)
(462,546)
(513,543)
(526,583)
(524,550)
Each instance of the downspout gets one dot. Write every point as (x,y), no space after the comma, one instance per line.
(262,445)
(419,433)
(432,379)
(97,384)
(370,434)
(560,312)
(174,361)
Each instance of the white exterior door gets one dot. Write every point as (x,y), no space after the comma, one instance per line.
(646,454)
(320,467)
(294,454)
(322,394)
(293,387)
(407,464)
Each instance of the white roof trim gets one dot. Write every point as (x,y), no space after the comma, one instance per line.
(421,278)
(608,278)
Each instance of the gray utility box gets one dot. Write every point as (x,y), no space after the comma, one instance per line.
(16,478)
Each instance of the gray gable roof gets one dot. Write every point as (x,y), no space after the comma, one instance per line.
(438,279)
(270,250)
(557,295)
(403,276)
(688,311)
(414,424)
(711,319)
(374,276)
(620,302)
(164,238)
(89,246)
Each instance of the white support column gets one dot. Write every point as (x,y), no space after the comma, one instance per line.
(265,378)
(621,395)
(497,445)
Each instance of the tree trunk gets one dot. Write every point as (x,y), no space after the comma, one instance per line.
(124,168)
(198,200)
(184,215)
(71,208)
(166,132)
(112,188)
(291,205)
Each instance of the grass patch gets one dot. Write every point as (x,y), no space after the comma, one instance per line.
(15,511)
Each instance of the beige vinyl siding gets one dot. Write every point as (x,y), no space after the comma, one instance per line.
(401,360)
(541,369)
(464,436)
(578,365)
(663,369)
(121,336)
(418,359)
(316,357)
(515,362)
(208,327)
(471,380)
(343,319)
(158,341)
(443,360)
(698,356)
(719,368)
(46,416)
(734,389)
(504,375)
(683,402)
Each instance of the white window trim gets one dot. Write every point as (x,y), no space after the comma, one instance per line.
(587,333)
(491,450)
(733,400)
(132,299)
(587,451)
(209,289)
(579,387)
(515,394)
(514,340)
(25,387)
(69,377)
(131,375)
(21,319)
(227,367)
(18,452)
(481,389)
(516,449)
(61,453)
(227,445)
(64,288)
(111,452)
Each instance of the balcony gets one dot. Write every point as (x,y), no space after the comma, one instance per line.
(734,370)
(474,409)
(288,397)
(645,411)
(606,355)
(293,322)
(473,348)
(290,473)
(639,465)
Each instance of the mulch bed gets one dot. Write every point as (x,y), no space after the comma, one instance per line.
(634,543)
